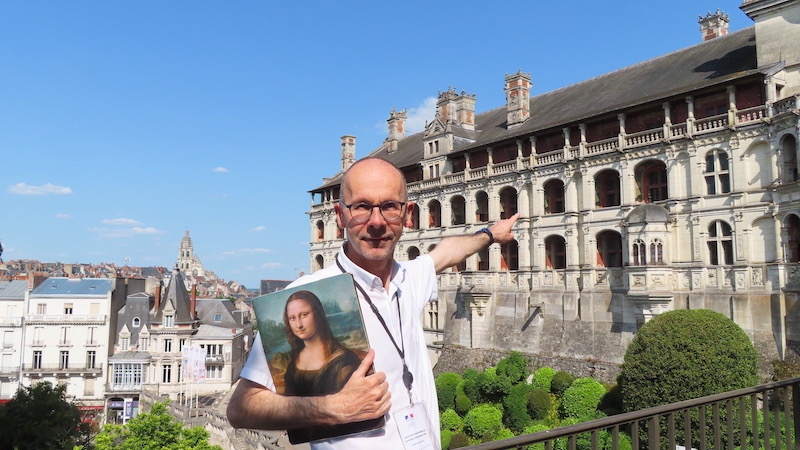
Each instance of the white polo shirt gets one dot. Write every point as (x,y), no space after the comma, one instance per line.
(415,285)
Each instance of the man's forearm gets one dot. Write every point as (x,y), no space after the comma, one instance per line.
(455,249)
(253,406)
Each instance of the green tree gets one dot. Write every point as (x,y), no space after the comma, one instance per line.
(483,421)
(154,430)
(542,378)
(515,407)
(582,397)
(39,417)
(446,384)
(685,354)
(513,367)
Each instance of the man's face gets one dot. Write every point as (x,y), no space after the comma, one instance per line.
(372,242)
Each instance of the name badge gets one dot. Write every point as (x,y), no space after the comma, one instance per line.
(415,427)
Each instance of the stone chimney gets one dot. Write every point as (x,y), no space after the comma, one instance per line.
(714,25)
(446,105)
(348,151)
(397,129)
(518,96)
(158,298)
(35,280)
(465,110)
(193,303)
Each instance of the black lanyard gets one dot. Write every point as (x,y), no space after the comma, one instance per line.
(408,378)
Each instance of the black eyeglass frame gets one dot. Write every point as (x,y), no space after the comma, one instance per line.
(372,209)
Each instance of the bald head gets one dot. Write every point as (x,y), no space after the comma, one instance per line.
(372,167)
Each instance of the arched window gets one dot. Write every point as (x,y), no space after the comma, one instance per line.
(638,253)
(606,184)
(435,214)
(793,225)
(459,211)
(555,252)
(716,173)
(609,249)
(720,243)
(656,252)
(415,218)
(554,197)
(136,322)
(319,262)
(789,151)
(320,231)
(508,202)
(482,207)
(651,179)
(509,256)
(413,252)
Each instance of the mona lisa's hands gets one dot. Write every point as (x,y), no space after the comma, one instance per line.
(364,396)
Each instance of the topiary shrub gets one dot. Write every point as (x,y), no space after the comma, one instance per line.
(542,378)
(515,407)
(446,389)
(459,440)
(513,367)
(491,388)
(560,382)
(535,428)
(469,387)
(611,403)
(483,420)
(539,404)
(445,438)
(463,404)
(503,433)
(582,397)
(685,354)
(450,420)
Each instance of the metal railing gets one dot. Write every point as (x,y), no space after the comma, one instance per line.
(760,417)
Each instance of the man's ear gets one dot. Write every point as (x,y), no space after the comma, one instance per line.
(337,208)
(409,221)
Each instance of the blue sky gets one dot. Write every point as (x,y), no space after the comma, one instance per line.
(125,123)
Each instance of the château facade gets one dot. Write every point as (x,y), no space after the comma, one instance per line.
(669,184)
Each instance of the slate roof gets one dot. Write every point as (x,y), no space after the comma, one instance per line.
(13,289)
(73,287)
(706,64)
(177,294)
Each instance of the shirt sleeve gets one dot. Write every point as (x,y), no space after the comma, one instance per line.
(256,369)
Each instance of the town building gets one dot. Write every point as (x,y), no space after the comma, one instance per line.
(12,302)
(66,331)
(153,340)
(669,184)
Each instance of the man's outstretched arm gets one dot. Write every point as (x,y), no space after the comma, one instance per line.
(455,249)
(363,397)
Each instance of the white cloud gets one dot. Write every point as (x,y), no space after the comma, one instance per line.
(220,169)
(271,265)
(45,189)
(260,228)
(419,115)
(113,233)
(120,221)
(63,216)
(146,230)
(247,251)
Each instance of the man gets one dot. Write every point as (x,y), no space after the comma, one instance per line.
(373,209)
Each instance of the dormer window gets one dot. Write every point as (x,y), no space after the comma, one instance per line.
(169,321)
(136,322)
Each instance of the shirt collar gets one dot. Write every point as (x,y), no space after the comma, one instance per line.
(369,280)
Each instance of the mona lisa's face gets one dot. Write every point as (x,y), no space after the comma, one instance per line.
(301,319)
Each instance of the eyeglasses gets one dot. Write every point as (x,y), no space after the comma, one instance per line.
(362,211)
